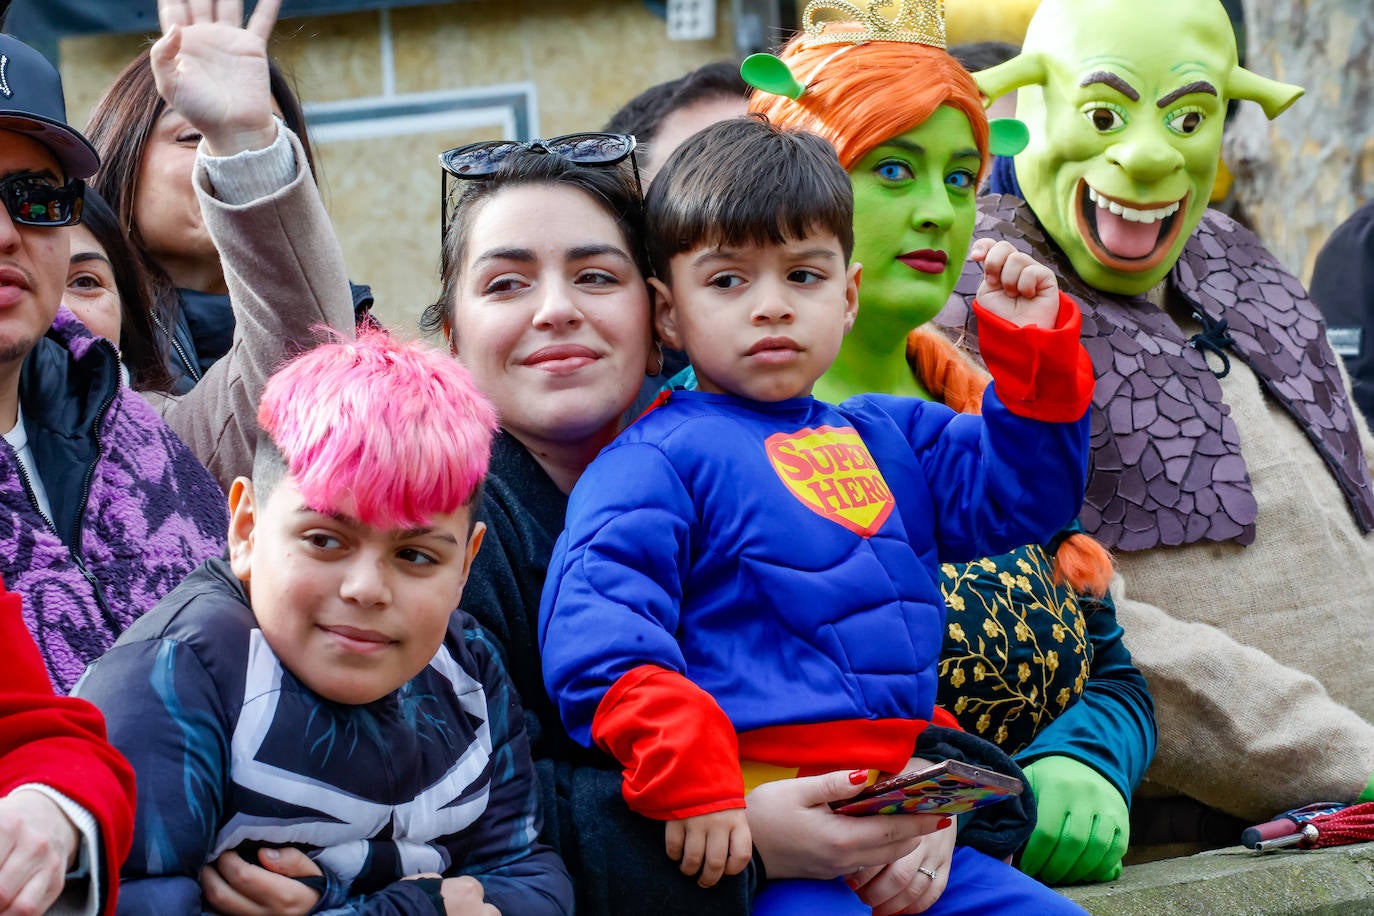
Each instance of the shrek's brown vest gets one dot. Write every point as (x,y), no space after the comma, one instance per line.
(1167,468)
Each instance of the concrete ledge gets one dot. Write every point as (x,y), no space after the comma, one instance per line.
(1239,882)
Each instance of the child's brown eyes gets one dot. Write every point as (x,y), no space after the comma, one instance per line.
(418,557)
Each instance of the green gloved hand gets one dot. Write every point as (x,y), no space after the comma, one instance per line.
(1082,824)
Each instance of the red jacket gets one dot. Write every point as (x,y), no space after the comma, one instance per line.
(60,743)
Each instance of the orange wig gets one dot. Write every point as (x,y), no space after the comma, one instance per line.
(871,92)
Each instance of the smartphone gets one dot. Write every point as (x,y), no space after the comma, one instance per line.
(948,788)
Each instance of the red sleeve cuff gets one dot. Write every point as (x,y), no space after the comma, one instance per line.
(677,746)
(1038,373)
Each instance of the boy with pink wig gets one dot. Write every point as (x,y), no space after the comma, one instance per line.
(315,690)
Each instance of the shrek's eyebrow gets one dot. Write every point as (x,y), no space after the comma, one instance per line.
(1180,92)
(1111,79)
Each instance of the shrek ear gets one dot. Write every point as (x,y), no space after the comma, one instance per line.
(1025,69)
(1274,97)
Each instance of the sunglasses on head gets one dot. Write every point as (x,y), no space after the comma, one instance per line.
(483,160)
(32,201)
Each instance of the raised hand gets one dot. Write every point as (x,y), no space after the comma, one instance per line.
(213,71)
(1015,286)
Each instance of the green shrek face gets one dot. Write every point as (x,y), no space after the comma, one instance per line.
(1125,136)
(914,210)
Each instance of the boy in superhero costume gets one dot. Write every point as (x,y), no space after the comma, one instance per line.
(746,587)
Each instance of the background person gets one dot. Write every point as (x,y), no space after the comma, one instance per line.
(149,149)
(102,508)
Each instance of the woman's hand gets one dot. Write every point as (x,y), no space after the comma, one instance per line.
(1015,286)
(798,836)
(214,73)
(235,887)
(914,882)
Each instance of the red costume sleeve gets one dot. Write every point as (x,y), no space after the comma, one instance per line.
(1042,374)
(60,743)
(676,744)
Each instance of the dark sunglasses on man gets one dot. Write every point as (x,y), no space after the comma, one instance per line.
(34,201)
(483,159)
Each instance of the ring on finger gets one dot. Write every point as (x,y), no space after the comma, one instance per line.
(928,872)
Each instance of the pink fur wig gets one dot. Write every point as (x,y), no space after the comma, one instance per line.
(396,432)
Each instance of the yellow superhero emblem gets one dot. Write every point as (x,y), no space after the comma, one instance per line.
(831,471)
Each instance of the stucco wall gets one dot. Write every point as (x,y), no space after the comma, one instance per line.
(579,60)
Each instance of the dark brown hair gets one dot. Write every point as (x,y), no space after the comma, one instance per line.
(745,182)
(642,115)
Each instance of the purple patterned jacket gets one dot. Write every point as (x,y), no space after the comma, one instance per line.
(133,510)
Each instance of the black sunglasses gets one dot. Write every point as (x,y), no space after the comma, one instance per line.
(32,201)
(482,160)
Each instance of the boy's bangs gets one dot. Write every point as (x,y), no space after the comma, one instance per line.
(392,434)
(755,221)
(745,183)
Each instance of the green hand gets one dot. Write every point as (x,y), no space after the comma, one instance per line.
(1082,826)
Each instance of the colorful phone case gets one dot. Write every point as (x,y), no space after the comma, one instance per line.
(947,788)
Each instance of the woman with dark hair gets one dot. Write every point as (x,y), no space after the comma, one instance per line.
(107,290)
(545,301)
(148,152)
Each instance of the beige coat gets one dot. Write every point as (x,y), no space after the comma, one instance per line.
(1258,657)
(286,278)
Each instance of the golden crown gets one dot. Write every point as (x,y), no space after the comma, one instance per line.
(920,22)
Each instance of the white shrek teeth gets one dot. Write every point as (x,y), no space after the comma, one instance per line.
(1130,213)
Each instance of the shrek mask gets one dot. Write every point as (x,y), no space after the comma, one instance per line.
(1125,101)
(914,211)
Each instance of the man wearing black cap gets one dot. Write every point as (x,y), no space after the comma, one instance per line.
(74,529)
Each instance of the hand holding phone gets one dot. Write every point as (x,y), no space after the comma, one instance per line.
(951,787)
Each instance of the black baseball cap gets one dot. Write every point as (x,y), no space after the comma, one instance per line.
(31,104)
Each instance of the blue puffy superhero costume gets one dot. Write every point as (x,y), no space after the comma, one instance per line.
(757,581)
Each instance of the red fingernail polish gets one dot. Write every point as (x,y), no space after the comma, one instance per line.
(858,777)
(944,822)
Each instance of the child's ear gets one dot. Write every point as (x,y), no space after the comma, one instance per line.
(242,522)
(479,530)
(665,319)
(851,296)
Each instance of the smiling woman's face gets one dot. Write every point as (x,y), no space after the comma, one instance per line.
(551,314)
(914,210)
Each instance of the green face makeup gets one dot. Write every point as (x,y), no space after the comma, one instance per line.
(914,211)
(1126,131)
